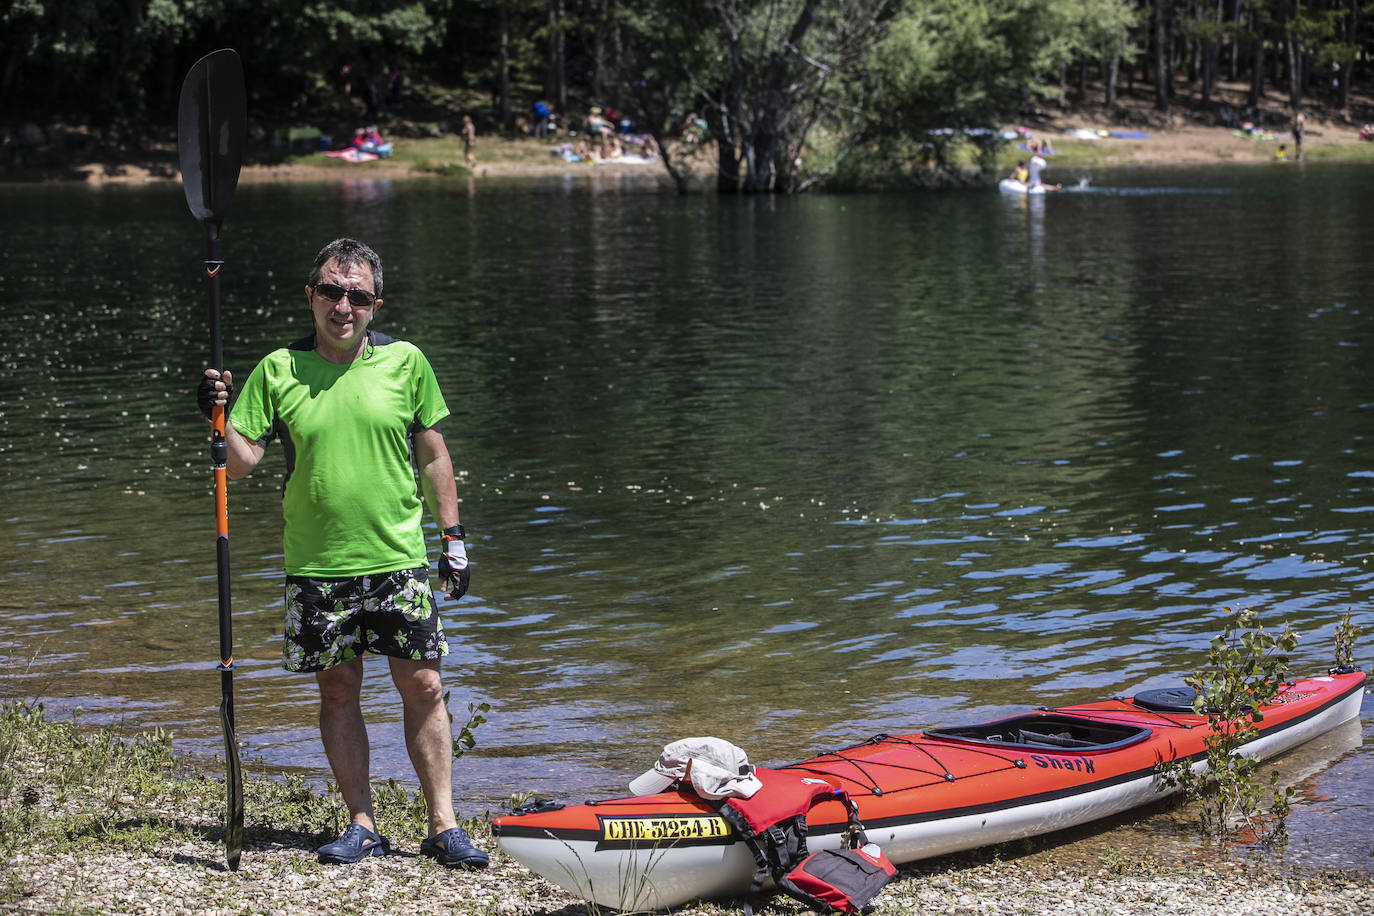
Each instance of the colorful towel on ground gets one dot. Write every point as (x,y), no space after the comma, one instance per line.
(351,155)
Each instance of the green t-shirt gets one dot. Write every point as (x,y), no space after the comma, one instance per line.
(351,503)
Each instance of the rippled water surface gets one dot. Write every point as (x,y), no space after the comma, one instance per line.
(790,472)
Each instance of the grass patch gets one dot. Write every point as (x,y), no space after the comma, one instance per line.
(442,155)
(65,790)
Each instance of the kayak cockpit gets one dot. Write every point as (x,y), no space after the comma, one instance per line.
(1046,731)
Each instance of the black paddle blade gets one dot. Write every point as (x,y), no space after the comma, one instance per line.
(233,821)
(210,127)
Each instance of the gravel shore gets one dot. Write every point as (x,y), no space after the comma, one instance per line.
(285,879)
(107,823)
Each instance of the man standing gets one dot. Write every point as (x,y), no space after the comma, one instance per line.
(351,406)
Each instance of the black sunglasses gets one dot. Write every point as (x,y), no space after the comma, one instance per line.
(359,298)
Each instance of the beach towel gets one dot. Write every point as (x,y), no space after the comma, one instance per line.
(351,155)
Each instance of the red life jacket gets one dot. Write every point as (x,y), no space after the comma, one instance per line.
(773,823)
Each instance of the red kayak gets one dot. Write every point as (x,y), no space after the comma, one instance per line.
(918,795)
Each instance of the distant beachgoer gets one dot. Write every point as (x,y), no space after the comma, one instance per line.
(596,123)
(469,140)
(1281,154)
(1020,173)
(541,118)
(1299,124)
(368,139)
(600,130)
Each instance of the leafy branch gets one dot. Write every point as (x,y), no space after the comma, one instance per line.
(1345,643)
(465,740)
(1246,667)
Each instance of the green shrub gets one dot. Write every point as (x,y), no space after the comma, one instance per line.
(1246,667)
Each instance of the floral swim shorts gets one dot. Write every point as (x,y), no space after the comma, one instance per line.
(329,621)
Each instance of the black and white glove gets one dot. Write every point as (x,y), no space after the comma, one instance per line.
(212,391)
(453,562)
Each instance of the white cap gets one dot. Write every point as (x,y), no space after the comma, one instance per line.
(716,767)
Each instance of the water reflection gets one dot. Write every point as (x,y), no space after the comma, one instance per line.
(787,471)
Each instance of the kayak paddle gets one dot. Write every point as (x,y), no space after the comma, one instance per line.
(210,128)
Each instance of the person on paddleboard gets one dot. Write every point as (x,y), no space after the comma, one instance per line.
(1037,165)
(351,406)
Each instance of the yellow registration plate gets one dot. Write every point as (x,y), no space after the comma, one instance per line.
(651,829)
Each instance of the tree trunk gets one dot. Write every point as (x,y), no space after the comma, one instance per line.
(599,56)
(727,167)
(8,73)
(1162,74)
(1257,68)
(606,50)
(1295,67)
(555,73)
(765,149)
(1113,68)
(1236,21)
(1209,70)
(1348,71)
(503,70)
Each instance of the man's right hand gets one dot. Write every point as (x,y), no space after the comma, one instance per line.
(215,388)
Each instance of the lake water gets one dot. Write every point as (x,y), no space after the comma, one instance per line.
(787,471)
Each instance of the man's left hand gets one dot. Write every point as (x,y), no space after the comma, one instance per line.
(453,563)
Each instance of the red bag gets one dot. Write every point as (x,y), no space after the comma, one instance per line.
(839,880)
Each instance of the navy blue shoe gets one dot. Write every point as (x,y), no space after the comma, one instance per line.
(453,849)
(353,845)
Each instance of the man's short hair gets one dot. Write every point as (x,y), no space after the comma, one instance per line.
(348,253)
